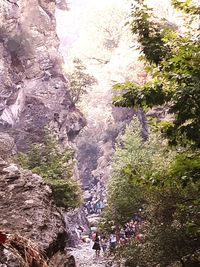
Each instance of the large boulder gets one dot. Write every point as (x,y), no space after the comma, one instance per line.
(27,209)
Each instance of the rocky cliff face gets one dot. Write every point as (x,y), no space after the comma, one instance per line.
(27,208)
(33,89)
(33,94)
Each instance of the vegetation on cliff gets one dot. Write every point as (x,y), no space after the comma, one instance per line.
(161,175)
(56,167)
(172,61)
(80,81)
(165,184)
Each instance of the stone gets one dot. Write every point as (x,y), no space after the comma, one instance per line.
(62,260)
(12,169)
(74,219)
(31,212)
(29,201)
(62,4)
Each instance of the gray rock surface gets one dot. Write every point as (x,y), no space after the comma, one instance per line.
(27,208)
(95,151)
(34,92)
(75,219)
(61,259)
(85,257)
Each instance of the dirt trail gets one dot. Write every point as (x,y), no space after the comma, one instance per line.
(85,257)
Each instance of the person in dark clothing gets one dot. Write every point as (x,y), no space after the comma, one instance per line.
(96,245)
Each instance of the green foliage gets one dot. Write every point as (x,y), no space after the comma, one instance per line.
(171,230)
(131,95)
(164,180)
(56,168)
(66,193)
(150,33)
(175,76)
(80,81)
(132,161)
(187,168)
(172,214)
(186,6)
(166,184)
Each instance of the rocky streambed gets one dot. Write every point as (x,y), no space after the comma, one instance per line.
(85,257)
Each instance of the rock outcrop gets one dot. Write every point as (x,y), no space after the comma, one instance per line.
(74,220)
(33,95)
(27,208)
(34,92)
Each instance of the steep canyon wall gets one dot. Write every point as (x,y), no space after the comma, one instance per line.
(34,91)
(33,95)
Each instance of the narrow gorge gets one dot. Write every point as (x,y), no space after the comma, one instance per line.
(99,133)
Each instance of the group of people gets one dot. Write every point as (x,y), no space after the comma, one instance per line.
(117,237)
(94,206)
(104,243)
(129,230)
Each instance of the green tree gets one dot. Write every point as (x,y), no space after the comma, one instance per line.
(172,60)
(56,168)
(129,162)
(79,81)
(166,184)
(172,228)
(170,186)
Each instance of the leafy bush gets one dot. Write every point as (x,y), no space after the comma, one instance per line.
(166,184)
(131,164)
(79,81)
(56,168)
(165,180)
(172,61)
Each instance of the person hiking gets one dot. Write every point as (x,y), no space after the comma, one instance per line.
(96,245)
(93,236)
(104,244)
(113,243)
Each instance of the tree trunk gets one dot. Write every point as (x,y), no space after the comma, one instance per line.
(144,125)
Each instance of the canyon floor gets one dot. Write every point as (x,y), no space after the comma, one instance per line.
(85,257)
